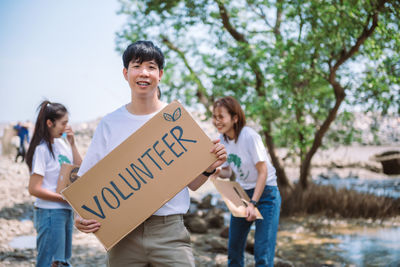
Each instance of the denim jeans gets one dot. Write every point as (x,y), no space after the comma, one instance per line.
(54,236)
(266,230)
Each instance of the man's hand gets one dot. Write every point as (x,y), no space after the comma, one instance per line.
(86,226)
(219,150)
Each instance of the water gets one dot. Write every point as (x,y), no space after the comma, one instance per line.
(372,247)
(320,243)
(23,242)
(311,242)
(382,187)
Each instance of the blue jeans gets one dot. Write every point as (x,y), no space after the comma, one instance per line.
(54,235)
(269,206)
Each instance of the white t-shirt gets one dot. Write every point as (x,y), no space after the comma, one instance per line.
(112,130)
(244,155)
(45,165)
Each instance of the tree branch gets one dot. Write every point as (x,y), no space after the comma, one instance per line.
(277,28)
(338,90)
(240,38)
(366,33)
(261,14)
(201,93)
(227,24)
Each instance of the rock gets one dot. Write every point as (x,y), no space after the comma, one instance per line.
(205,202)
(390,161)
(323,176)
(278,262)
(197,225)
(194,201)
(225,232)
(215,218)
(221,260)
(218,244)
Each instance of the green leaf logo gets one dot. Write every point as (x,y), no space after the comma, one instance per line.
(63,159)
(174,117)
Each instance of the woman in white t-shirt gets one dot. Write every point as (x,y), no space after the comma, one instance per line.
(247,158)
(53,217)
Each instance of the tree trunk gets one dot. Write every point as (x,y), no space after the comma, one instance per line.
(283,181)
(306,163)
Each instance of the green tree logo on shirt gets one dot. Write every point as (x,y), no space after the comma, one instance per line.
(237,162)
(232,158)
(63,159)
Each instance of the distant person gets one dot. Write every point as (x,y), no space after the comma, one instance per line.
(247,158)
(23,134)
(162,240)
(53,216)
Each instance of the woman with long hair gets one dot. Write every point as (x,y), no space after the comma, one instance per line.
(53,216)
(247,158)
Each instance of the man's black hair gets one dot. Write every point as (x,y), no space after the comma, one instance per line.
(141,51)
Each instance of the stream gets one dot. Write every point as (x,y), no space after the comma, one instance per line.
(388,187)
(314,241)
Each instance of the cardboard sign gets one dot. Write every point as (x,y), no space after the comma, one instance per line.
(141,174)
(68,175)
(234,197)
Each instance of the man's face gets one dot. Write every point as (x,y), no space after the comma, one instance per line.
(143,78)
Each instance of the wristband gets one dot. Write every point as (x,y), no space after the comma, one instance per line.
(253,202)
(208,173)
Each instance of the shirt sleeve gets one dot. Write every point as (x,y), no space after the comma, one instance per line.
(96,150)
(256,148)
(39,161)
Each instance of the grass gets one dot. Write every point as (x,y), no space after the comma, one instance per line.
(328,201)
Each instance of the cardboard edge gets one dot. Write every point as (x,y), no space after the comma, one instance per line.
(214,180)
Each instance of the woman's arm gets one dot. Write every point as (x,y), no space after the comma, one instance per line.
(258,190)
(77,159)
(35,189)
(225,172)
(76,155)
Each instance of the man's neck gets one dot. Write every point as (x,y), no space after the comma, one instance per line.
(143,106)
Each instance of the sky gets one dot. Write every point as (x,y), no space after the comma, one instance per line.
(63,51)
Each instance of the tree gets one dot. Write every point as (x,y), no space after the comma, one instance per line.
(296,66)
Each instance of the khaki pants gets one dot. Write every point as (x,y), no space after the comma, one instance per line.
(158,241)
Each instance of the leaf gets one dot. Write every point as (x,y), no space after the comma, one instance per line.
(168,117)
(177,114)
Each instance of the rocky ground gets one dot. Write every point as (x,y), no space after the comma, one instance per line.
(208,229)
(209,242)
(16,221)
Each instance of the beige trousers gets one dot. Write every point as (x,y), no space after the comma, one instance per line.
(159,241)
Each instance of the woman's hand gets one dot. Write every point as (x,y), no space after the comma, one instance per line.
(251,213)
(70,135)
(86,226)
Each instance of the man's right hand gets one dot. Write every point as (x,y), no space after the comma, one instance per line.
(86,226)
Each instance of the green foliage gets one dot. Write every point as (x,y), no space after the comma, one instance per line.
(283,68)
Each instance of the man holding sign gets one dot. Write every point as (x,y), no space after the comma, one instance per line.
(162,240)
